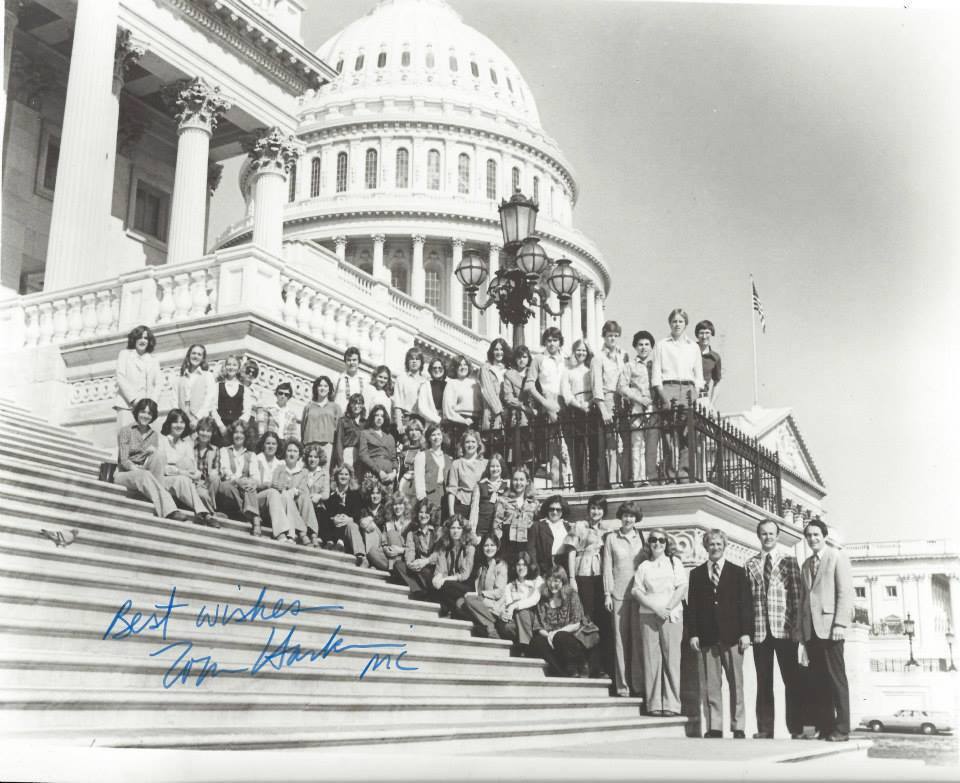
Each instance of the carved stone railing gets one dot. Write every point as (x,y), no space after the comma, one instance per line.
(311,291)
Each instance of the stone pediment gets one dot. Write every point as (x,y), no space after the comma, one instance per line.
(777,430)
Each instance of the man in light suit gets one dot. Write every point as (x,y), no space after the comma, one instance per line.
(826,608)
(775,585)
(720,622)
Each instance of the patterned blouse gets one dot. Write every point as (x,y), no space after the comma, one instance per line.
(550,618)
(517,515)
(588,543)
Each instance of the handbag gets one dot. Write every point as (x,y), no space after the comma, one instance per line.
(588,634)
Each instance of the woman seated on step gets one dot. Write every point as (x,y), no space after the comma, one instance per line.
(557,621)
(490,583)
(383,544)
(415,568)
(273,505)
(180,471)
(341,514)
(207,457)
(513,613)
(237,494)
(141,461)
(452,559)
(290,480)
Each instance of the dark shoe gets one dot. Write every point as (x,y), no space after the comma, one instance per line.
(361,560)
(797,736)
(713,734)
(214,521)
(836,736)
(762,735)
(738,734)
(178,516)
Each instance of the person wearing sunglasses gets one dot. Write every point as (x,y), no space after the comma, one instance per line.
(547,542)
(659,587)
(282,418)
(430,397)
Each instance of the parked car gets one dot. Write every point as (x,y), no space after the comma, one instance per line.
(924,721)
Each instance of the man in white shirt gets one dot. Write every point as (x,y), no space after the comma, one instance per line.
(607,373)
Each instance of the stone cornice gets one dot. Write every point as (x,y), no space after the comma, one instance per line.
(334,128)
(258,40)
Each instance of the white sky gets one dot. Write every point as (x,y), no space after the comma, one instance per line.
(815,147)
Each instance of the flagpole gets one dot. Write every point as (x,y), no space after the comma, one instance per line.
(753,329)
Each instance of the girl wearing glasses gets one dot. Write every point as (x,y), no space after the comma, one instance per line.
(430,397)
(281,418)
(548,541)
(659,587)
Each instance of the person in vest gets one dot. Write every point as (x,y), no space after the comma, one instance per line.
(430,468)
(234,403)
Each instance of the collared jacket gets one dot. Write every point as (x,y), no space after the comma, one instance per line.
(778,602)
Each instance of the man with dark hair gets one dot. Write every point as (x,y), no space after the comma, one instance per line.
(720,623)
(775,585)
(635,386)
(826,608)
(605,372)
(704,331)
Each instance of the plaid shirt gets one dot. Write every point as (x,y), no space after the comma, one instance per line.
(780,603)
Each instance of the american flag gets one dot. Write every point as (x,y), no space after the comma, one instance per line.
(758,307)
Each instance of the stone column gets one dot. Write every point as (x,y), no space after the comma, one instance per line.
(576,327)
(340,243)
(272,155)
(954,612)
(873,600)
(492,315)
(418,279)
(601,314)
(198,110)
(380,271)
(456,290)
(593,336)
(928,645)
(82,201)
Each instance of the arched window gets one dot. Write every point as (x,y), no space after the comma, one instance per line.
(315,177)
(403,168)
(358,63)
(340,65)
(431,288)
(433,170)
(292,184)
(381,59)
(341,172)
(398,277)
(405,59)
(430,60)
(493,76)
(491,179)
(370,169)
(463,173)
(467,318)
(453,63)
(515,179)
(536,189)
(474,69)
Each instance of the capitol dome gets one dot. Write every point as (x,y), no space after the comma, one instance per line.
(423,45)
(407,154)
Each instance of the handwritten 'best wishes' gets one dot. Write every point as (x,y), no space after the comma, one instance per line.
(286,653)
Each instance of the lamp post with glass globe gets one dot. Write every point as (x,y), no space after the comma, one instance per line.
(909,628)
(949,635)
(528,275)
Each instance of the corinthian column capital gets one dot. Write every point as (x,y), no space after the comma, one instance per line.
(195,104)
(127,53)
(273,151)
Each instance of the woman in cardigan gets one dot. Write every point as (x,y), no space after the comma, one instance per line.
(196,386)
(207,457)
(517,413)
(548,543)
(452,560)
(483,503)
(290,479)
(376,448)
(557,618)
(492,373)
(274,506)
(138,374)
(461,399)
(347,435)
(489,586)
(141,461)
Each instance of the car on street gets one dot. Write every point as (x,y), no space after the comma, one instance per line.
(924,721)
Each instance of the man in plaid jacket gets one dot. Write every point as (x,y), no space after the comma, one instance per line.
(775,585)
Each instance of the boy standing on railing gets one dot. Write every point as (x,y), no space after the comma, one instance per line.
(635,386)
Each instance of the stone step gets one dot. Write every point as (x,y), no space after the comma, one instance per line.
(53,434)
(20,413)
(28,555)
(55,633)
(77,463)
(29,602)
(502,736)
(64,709)
(329,677)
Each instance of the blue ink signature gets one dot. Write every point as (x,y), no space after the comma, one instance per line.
(138,623)
(257,611)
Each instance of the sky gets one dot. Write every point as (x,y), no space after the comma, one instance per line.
(813,147)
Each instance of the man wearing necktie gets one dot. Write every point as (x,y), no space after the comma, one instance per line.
(775,585)
(720,623)
(826,608)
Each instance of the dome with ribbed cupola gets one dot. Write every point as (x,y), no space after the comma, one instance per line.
(423,47)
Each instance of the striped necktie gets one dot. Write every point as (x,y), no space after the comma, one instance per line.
(816,565)
(715,574)
(767,571)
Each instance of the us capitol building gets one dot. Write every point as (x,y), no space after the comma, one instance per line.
(371,166)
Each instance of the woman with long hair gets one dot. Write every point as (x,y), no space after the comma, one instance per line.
(517,412)
(430,468)
(237,493)
(196,385)
(461,399)
(376,448)
(273,505)
(180,472)
(556,620)
(464,473)
(138,374)
(585,565)
(347,435)
(659,587)
(406,390)
(492,373)
(576,393)
(415,568)
(514,610)
(490,582)
(413,444)
(514,515)
(452,560)
(483,502)
(290,480)
(320,416)
(234,399)
(340,520)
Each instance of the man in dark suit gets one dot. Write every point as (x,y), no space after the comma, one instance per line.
(719,623)
(775,584)
(826,608)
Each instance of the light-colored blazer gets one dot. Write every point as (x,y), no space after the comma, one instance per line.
(827,600)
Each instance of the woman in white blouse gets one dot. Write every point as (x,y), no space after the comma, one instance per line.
(514,609)
(196,386)
(138,373)
(660,585)
(461,399)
